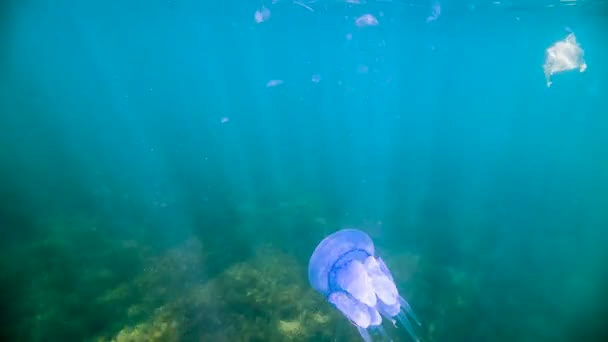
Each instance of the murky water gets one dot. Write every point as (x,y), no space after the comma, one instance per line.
(168,167)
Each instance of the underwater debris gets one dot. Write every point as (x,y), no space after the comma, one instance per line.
(346,271)
(564,55)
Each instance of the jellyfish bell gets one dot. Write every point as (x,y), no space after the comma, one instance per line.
(345,269)
(564,55)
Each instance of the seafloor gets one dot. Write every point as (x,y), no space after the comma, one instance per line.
(78,280)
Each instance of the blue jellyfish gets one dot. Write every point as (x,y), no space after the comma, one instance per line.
(344,269)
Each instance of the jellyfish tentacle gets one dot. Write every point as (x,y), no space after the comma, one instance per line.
(365,334)
(383,286)
(408,326)
(388,311)
(354,310)
(354,280)
(375,318)
(384,268)
(408,309)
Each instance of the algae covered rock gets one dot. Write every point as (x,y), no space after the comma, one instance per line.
(265,298)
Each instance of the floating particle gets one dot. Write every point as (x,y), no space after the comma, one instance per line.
(366,20)
(349,36)
(261,15)
(274,83)
(316,78)
(362,69)
(225,119)
(565,55)
(303,5)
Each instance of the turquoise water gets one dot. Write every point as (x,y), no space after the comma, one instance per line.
(168,167)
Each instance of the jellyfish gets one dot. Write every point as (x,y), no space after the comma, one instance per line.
(345,269)
(366,20)
(563,56)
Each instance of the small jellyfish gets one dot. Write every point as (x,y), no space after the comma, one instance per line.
(366,20)
(345,270)
(273,83)
(564,55)
(435,12)
(261,15)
